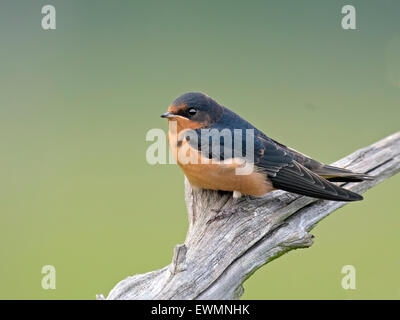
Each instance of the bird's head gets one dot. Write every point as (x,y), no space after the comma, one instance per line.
(194,110)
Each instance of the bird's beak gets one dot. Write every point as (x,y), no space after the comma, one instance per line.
(168,115)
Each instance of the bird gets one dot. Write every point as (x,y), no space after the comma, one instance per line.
(275,166)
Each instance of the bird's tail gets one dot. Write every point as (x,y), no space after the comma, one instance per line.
(298,179)
(335,174)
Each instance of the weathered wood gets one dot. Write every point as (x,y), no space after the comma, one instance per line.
(218,257)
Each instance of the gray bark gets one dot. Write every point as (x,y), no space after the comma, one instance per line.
(218,257)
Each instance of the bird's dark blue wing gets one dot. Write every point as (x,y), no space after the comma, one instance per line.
(286,173)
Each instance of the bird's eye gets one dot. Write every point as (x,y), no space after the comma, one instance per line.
(192,111)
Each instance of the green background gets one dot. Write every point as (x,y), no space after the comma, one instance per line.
(76,103)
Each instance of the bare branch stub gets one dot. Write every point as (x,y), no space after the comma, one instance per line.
(218,257)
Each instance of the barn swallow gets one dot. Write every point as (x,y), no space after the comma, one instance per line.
(275,165)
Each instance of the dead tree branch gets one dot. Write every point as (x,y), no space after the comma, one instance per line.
(218,257)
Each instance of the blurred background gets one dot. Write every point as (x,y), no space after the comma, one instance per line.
(76,103)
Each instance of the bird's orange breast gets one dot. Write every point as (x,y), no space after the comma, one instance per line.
(212,174)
